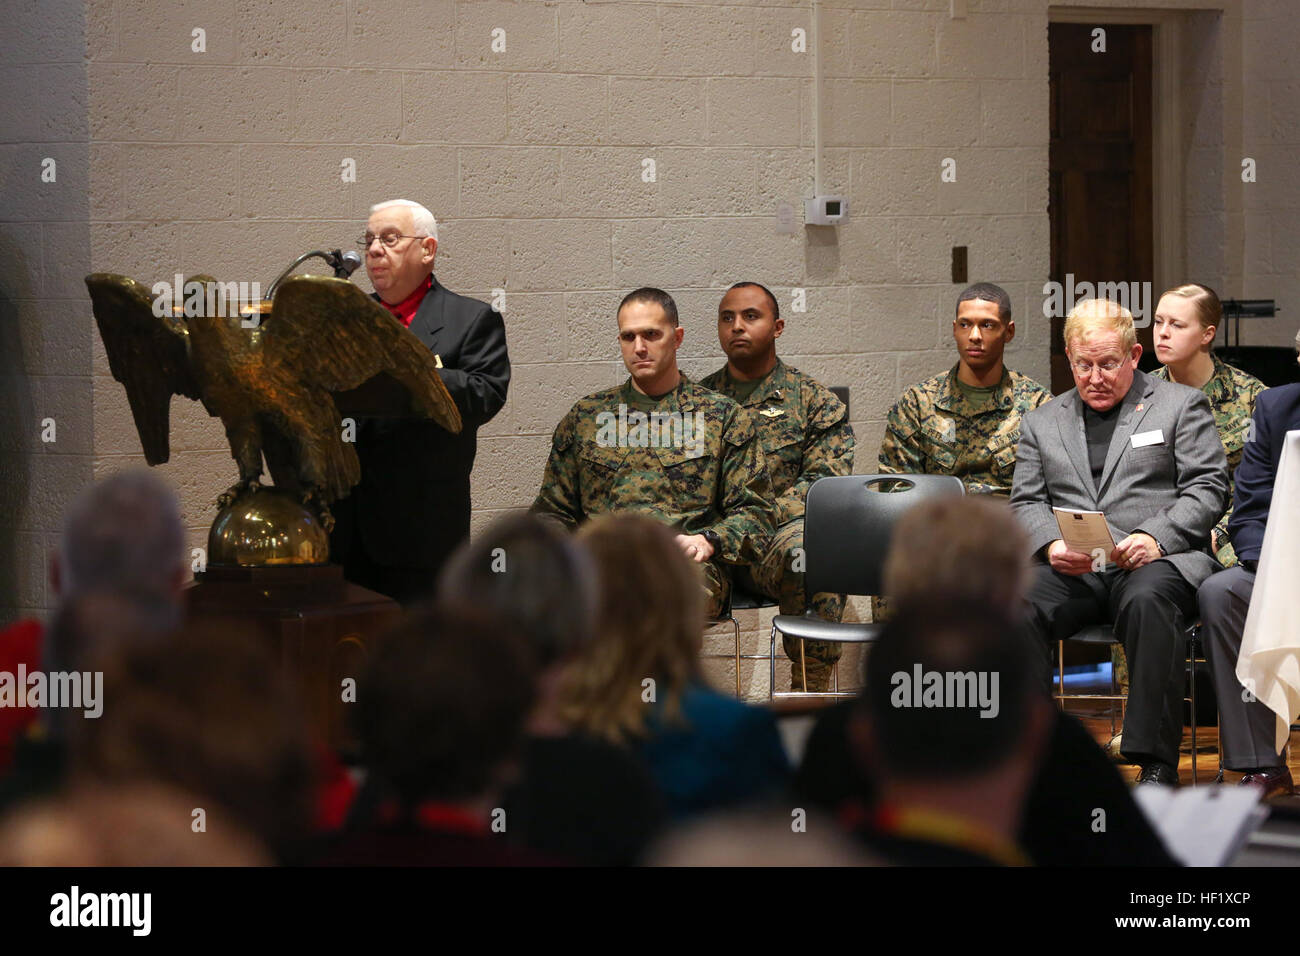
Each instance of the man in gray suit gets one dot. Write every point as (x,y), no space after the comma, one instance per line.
(1145,453)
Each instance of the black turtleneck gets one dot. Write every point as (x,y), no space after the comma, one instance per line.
(1099,427)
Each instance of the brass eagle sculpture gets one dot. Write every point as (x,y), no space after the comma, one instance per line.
(275,385)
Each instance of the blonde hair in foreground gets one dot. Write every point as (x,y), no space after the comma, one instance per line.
(649,622)
(1097,315)
(968,549)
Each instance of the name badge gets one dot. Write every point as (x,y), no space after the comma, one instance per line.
(1156,437)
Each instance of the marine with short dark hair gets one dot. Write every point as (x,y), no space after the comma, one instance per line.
(662,445)
(806,435)
(966,421)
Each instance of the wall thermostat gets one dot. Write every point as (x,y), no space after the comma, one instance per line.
(825,210)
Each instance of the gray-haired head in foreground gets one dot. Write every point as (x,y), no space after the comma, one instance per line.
(123,536)
(534,575)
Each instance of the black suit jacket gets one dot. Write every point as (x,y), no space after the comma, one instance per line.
(1277,411)
(412,506)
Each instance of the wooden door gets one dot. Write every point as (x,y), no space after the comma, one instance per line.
(1100,202)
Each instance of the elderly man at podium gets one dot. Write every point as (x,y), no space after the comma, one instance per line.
(411,509)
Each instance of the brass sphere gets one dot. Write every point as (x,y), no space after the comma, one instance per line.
(267,527)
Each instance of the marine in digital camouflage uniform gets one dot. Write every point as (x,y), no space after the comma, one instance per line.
(689,457)
(1232,394)
(806,435)
(947,426)
(940,427)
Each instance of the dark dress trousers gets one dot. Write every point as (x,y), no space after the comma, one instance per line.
(1246,726)
(411,509)
(1173,485)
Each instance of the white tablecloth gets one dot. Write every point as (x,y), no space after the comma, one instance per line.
(1269,663)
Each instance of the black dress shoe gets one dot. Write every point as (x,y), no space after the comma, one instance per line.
(1158,773)
(1273,781)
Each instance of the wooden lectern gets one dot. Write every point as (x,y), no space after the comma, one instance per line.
(320,626)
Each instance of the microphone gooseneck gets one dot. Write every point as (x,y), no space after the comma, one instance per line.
(343,264)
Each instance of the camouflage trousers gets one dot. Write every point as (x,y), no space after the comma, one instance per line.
(880,609)
(1119,666)
(717,588)
(780,577)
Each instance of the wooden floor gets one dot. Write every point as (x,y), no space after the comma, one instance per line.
(1094,715)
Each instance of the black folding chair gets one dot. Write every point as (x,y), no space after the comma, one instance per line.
(1104,634)
(738,600)
(848,521)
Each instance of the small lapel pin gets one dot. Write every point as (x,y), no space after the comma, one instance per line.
(1139,408)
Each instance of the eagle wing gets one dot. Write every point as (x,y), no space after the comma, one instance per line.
(335,336)
(147,353)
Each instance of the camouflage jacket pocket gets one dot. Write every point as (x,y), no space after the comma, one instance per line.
(940,459)
(692,478)
(1002,448)
(596,470)
(938,438)
(783,451)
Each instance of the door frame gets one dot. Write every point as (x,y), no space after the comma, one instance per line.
(1169,259)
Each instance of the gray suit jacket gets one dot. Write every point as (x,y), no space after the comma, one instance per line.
(1174,489)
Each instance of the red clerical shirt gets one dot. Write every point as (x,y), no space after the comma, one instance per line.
(405,310)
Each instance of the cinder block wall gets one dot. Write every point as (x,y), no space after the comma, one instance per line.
(1261,216)
(230,161)
(46,415)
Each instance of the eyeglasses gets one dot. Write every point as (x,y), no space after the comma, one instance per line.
(389,239)
(1085,368)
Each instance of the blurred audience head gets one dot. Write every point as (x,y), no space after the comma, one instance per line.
(649,614)
(123,535)
(130,825)
(91,627)
(756,838)
(952,708)
(211,713)
(534,576)
(969,548)
(442,705)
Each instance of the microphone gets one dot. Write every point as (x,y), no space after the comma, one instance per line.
(347,264)
(343,264)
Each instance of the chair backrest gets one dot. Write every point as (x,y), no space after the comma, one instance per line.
(848,521)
